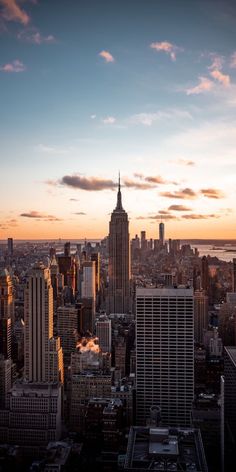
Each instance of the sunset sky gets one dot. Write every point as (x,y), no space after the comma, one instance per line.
(89,88)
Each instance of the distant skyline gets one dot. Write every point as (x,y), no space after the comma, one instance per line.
(88,89)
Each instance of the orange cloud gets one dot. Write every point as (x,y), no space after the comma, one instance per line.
(39,216)
(205,85)
(167,47)
(186,193)
(212,193)
(13,12)
(179,208)
(222,78)
(107,56)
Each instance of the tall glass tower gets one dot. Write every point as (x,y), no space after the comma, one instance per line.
(119,260)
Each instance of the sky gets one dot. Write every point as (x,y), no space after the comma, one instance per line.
(89,88)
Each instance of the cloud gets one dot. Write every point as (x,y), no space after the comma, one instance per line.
(33,36)
(166,47)
(212,193)
(222,78)
(107,56)
(137,185)
(179,208)
(13,12)
(39,216)
(185,194)
(147,119)
(158,179)
(193,216)
(109,120)
(93,117)
(81,213)
(217,62)
(90,184)
(155,179)
(14,66)
(53,149)
(205,85)
(183,162)
(233,60)
(157,217)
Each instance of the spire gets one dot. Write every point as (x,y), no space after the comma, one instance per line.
(119,201)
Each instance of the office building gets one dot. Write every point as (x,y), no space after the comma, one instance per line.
(88,285)
(234,276)
(164,354)
(229,405)
(103,332)
(200,315)
(161,234)
(33,415)
(43,353)
(10,247)
(67,330)
(205,274)
(119,260)
(6,313)
(5,379)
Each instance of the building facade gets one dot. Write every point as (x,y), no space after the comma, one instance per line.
(119,260)
(164,354)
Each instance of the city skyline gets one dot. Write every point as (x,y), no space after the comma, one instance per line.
(88,90)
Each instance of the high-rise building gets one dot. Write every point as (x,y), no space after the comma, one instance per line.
(164,354)
(67,329)
(234,275)
(161,234)
(229,405)
(43,354)
(5,379)
(103,332)
(10,246)
(143,241)
(119,260)
(95,256)
(200,315)
(205,274)
(6,313)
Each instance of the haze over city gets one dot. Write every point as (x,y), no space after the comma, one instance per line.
(90,88)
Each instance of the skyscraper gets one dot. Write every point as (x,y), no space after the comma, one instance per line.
(164,354)
(43,354)
(6,313)
(234,276)
(200,315)
(119,260)
(161,234)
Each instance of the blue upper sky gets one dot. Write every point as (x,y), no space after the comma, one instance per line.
(90,87)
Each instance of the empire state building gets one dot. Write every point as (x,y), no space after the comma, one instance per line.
(119,260)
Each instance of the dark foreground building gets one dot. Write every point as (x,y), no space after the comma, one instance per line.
(165,449)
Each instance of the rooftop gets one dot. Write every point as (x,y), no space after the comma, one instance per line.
(165,449)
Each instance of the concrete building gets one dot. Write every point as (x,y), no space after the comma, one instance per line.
(103,332)
(5,379)
(33,415)
(43,353)
(164,354)
(119,260)
(67,330)
(229,405)
(6,313)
